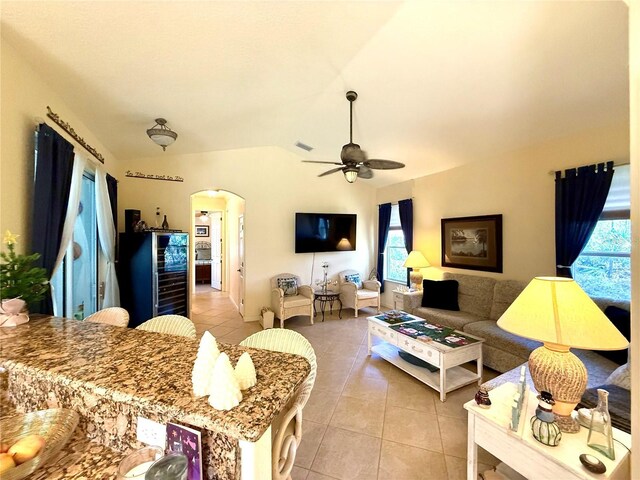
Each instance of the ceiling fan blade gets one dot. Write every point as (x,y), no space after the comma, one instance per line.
(318,161)
(382,164)
(329,172)
(365,172)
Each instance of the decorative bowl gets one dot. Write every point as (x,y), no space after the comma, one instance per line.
(55,425)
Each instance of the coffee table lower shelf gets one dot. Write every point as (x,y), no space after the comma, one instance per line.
(456,377)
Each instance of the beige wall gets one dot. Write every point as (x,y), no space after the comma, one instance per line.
(24,96)
(518,186)
(275,184)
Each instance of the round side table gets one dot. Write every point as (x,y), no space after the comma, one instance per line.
(326,297)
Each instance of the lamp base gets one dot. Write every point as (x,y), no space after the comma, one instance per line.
(556,370)
(567,423)
(415,278)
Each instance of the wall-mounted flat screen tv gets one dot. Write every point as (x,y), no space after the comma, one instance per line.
(325,232)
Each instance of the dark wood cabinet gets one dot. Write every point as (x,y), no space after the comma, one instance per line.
(203,273)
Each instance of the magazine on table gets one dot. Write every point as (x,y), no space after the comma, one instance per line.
(432,332)
(394,317)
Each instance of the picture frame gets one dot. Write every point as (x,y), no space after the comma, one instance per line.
(473,243)
(202,230)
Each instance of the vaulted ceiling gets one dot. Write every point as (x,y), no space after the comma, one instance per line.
(440,83)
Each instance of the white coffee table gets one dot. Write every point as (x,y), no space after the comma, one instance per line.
(450,376)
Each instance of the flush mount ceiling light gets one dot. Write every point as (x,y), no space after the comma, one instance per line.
(161,134)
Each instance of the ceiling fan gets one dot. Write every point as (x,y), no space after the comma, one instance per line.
(354,160)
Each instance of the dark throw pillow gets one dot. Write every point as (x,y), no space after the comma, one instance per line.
(440,294)
(621,318)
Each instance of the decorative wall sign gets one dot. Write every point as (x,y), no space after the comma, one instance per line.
(152,176)
(69,129)
(472,242)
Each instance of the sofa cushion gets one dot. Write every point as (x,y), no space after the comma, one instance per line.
(363,294)
(475,294)
(621,377)
(288,285)
(296,301)
(621,319)
(504,293)
(498,338)
(440,294)
(448,318)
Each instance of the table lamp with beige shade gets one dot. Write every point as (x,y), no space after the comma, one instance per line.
(416,261)
(557,312)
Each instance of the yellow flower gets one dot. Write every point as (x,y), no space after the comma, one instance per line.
(10,238)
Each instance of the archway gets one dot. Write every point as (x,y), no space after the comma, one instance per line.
(217,247)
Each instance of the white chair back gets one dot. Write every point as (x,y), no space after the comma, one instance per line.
(171,325)
(116,316)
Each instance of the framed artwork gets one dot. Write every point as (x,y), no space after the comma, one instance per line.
(202,230)
(474,243)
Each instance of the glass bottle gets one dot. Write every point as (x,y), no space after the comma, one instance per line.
(600,431)
(165,224)
(157,217)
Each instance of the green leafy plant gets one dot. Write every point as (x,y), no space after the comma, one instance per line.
(19,278)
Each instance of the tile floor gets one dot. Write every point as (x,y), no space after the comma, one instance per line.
(366,419)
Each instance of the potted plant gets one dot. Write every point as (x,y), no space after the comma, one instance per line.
(19,278)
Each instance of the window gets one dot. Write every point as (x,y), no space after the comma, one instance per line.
(75,281)
(395,252)
(603,269)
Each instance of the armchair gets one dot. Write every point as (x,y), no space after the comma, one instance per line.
(296,300)
(358,296)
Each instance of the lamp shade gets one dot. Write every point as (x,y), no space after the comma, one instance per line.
(416,260)
(350,173)
(556,310)
(344,244)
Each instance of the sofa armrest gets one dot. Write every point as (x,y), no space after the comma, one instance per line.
(348,288)
(371,285)
(277,297)
(305,291)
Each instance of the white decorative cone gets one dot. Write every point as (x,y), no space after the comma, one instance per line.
(245,372)
(225,391)
(208,353)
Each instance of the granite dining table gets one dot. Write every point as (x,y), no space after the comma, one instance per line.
(111,376)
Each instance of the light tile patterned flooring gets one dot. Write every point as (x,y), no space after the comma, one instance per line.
(366,419)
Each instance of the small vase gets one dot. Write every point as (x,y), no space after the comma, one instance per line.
(600,431)
(165,224)
(13,312)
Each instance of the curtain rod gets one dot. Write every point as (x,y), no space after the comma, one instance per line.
(69,130)
(615,164)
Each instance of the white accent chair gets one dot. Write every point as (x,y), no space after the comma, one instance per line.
(287,428)
(287,306)
(116,316)
(353,297)
(171,325)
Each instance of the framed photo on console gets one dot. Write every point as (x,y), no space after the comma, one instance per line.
(474,243)
(202,230)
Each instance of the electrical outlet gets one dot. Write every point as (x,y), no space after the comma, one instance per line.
(150,432)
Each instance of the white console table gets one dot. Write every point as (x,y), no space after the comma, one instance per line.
(489,429)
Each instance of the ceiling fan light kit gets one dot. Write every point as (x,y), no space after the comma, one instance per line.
(161,134)
(354,160)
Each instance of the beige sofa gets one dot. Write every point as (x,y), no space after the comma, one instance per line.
(482,301)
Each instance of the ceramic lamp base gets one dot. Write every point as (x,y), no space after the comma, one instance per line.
(556,370)
(415,278)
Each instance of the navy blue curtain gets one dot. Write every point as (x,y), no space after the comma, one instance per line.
(405,208)
(384,218)
(52,184)
(112,188)
(580,198)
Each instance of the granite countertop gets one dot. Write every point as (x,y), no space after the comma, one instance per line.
(149,370)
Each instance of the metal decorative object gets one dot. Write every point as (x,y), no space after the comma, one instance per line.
(482,398)
(69,129)
(543,425)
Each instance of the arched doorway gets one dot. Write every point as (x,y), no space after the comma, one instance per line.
(217,247)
